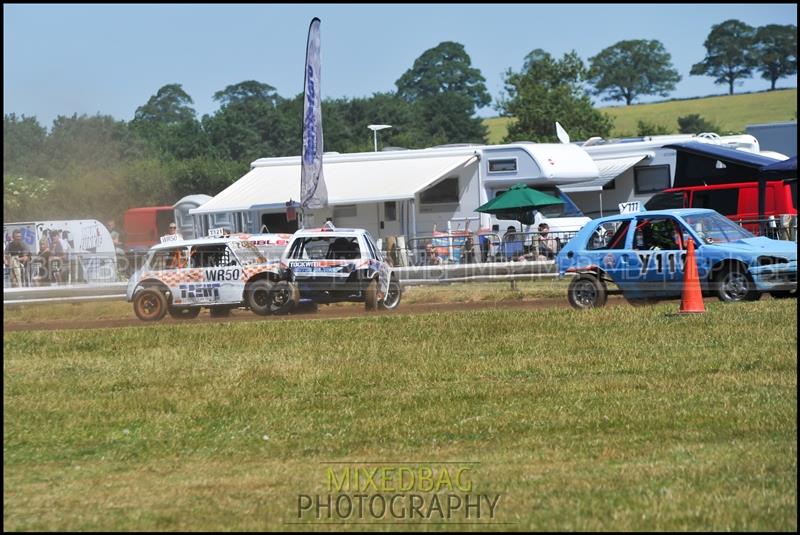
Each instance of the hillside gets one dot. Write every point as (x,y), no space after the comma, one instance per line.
(732,112)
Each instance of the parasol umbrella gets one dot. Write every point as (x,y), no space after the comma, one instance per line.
(518,203)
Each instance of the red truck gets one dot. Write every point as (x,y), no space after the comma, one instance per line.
(736,201)
(144,227)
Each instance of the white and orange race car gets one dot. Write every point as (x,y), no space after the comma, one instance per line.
(219,273)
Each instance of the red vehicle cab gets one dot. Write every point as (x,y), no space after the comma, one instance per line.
(145,226)
(736,201)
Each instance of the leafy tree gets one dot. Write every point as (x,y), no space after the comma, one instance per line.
(730,53)
(445,89)
(168,123)
(644,128)
(549,90)
(446,68)
(170,105)
(245,125)
(245,92)
(23,141)
(776,55)
(629,69)
(695,124)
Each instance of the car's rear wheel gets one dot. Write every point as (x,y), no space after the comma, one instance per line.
(392,298)
(371,295)
(258,295)
(283,297)
(184,313)
(734,285)
(150,304)
(587,291)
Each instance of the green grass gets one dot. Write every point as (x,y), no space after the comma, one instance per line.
(731,112)
(616,418)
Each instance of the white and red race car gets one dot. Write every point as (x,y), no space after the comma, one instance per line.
(220,273)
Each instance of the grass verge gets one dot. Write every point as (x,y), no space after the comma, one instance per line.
(616,418)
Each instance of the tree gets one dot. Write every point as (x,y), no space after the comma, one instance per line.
(446,68)
(170,105)
(695,124)
(632,68)
(730,53)
(247,122)
(168,123)
(776,52)
(23,141)
(549,90)
(245,92)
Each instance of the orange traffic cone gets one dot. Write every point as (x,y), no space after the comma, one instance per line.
(692,298)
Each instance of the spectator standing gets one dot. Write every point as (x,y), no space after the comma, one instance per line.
(19,257)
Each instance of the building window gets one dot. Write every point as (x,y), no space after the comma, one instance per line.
(390,211)
(651,179)
(444,192)
(503,166)
(344,210)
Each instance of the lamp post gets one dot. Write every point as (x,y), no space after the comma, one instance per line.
(375,128)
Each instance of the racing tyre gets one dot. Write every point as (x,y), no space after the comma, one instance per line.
(258,295)
(392,298)
(371,295)
(150,304)
(283,297)
(734,285)
(219,312)
(587,291)
(183,313)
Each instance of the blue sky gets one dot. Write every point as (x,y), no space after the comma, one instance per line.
(109,59)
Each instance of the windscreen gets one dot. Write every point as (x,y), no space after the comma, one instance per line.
(714,228)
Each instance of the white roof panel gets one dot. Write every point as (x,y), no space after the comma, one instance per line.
(349,182)
(608,171)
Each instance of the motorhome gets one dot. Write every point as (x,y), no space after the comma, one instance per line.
(416,192)
(89,252)
(401,192)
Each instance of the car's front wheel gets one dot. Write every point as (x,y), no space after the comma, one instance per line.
(392,298)
(150,304)
(283,297)
(587,291)
(258,295)
(734,285)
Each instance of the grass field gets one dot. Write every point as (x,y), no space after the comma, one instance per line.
(617,418)
(731,112)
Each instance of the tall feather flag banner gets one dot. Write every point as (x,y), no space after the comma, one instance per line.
(313,193)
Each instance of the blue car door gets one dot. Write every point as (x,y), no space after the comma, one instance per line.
(658,252)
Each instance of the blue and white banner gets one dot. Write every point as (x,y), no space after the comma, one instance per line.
(313,193)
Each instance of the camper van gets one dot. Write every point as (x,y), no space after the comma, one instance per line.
(89,255)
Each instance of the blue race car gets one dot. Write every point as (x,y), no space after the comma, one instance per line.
(643,253)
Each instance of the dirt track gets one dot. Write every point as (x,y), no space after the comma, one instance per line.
(324,312)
